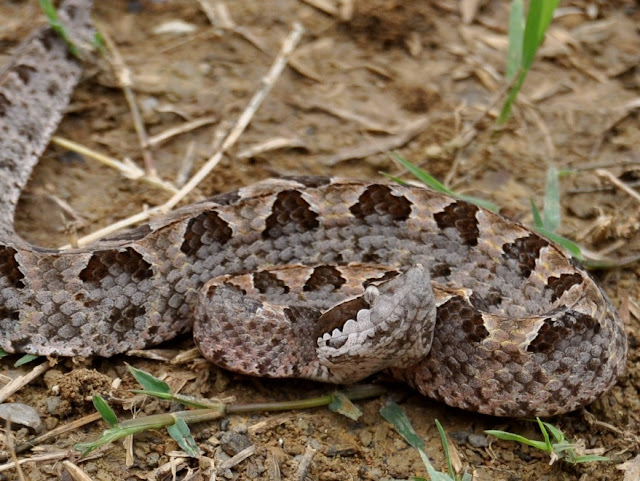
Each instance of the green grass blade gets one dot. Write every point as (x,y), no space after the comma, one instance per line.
(434,184)
(422,175)
(516,33)
(27,358)
(589,458)
(570,246)
(396,416)
(558,436)
(445,446)
(545,435)
(54,22)
(149,381)
(182,435)
(538,19)
(513,93)
(341,404)
(105,411)
(537,218)
(505,436)
(551,209)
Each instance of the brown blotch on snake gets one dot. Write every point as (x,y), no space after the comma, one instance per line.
(324,276)
(462,217)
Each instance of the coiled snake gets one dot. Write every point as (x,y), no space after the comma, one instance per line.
(322,278)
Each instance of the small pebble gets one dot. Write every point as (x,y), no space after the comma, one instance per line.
(478,440)
(232,443)
(21,415)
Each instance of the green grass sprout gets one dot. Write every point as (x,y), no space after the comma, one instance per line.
(556,445)
(177,422)
(398,418)
(524,40)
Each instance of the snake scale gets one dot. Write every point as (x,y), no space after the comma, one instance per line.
(321,278)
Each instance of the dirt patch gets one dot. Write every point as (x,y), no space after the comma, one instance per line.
(357,85)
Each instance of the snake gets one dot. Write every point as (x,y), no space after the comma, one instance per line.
(324,278)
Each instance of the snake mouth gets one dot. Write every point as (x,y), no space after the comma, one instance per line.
(353,329)
(333,332)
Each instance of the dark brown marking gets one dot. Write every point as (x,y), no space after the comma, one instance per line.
(378,200)
(203,230)
(48,39)
(9,267)
(456,311)
(570,325)
(53,88)
(9,314)
(290,214)
(492,299)
(461,216)
(387,276)
(266,281)
(559,285)
(440,270)
(123,320)
(127,260)
(324,276)
(4,104)
(526,251)
(24,72)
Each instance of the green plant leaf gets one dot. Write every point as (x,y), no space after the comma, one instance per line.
(433,183)
(149,381)
(537,218)
(27,358)
(54,22)
(505,436)
(182,435)
(3,353)
(341,404)
(396,416)
(571,246)
(105,411)
(551,209)
(516,33)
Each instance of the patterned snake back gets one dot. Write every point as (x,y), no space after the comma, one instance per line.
(324,278)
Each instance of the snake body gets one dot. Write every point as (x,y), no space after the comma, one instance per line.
(325,278)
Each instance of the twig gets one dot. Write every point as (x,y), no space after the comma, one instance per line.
(267,84)
(22,381)
(180,129)
(12,451)
(127,168)
(54,433)
(123,74)
(604,174)
(54,456)
(75,472)
(237,459)
(305,463)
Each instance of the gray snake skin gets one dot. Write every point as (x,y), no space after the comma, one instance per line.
(322,278)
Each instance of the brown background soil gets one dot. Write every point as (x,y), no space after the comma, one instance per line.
(356,81)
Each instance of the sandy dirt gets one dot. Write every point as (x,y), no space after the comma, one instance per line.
(411,76)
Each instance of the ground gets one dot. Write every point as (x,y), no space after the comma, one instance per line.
(418,77)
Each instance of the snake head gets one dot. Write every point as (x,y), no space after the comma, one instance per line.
(389,325)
